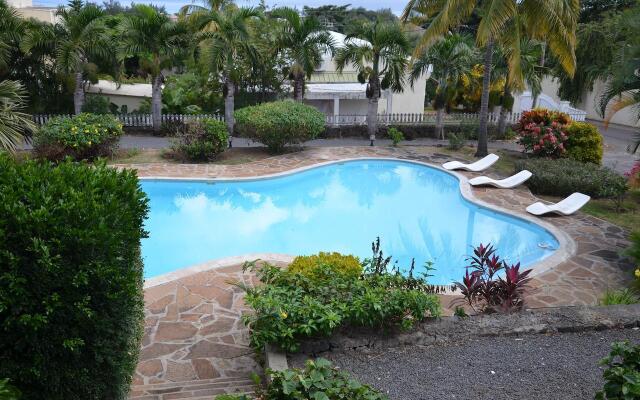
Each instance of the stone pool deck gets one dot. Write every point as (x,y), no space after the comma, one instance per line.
(195,345)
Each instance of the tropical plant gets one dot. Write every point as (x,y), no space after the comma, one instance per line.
(503,22)
(543,132)
(451,59)
(379,52)
(622,373)
(304,41)
(15,125)
(622,296)
(314,265)
(584,142)
(396,135)
(78,37)
(202,140)
(484,290)
(157,42)
(280,123)
(225,40)
(8,391)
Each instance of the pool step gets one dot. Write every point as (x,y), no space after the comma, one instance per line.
(193,390)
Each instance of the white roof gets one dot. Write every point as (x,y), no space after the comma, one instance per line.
(109,87)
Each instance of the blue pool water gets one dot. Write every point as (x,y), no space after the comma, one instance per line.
(417,211)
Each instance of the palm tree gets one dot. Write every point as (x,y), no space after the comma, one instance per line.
(304,40)
(504,22)
(224,46)
(158,42)
(15,125)
(11,28)
(80,35)
(379,51)
(451,59)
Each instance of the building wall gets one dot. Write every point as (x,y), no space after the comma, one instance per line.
(44,14)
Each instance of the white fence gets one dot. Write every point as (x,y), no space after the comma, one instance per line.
(145,120)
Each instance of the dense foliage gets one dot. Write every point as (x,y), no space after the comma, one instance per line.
(315,265)
(564,176)
(634,175)
(622,372)
(84,136)
(584,142)
(290,306)
(71,300)
(202,140)
(15,125)
(280,123)
(543,132)
(485,289)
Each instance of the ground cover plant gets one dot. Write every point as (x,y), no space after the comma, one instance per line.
(622,373)
(84,136)
(280,123)
(201,140)
(71,299)
(490,284)
(290,305)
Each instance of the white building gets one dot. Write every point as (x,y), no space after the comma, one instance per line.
(26,9)
(340,94)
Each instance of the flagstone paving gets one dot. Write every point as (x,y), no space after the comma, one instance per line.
(196,346)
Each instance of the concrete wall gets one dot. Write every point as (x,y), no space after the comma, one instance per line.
(44,14)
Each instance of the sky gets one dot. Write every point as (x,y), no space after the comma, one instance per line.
(173,5)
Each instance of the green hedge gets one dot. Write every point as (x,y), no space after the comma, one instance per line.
(564,176)
(203,140)
(84,136)
(584,143)
(71,299)
(279,123)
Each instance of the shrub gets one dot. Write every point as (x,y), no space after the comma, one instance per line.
(201,141)
(565,176)
(71,300)
(622,373)
(279,123)
(96,104)
(84,136)
(314,266)
(633,175)
(622,296)
(456,141)
(395,135)
(485,291)
(290,306)
(543,132)
(584,143)
(318,380)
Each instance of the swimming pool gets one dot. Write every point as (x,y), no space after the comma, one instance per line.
(417,211)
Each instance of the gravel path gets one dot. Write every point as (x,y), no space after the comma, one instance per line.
(546,367)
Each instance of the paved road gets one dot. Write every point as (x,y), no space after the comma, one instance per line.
(533,367)
(616,140)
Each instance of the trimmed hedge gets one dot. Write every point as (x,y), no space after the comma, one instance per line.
(313,266)
(564,176)
(279,123)
(71,298)
(84,136)
(584,143)
(201,141)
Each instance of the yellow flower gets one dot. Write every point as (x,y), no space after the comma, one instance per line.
(637,273)
(89,142)
(283,314)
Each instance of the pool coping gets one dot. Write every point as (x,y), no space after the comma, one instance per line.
(566,245)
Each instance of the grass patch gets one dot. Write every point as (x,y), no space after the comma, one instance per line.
(628,216)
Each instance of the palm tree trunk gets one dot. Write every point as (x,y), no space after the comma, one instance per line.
(298,88)
(484,101)
(502,122)
(156,103)
(440,123)
(534,102)
(372,118)
(78,94)
(229,106)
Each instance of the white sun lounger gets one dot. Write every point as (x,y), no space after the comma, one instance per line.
(477,166)
(507,183)
(566,207)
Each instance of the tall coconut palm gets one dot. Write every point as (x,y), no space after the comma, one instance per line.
(451,59)
(304,40)
(15,125)
(379,51)
(80,35)
(158,42)
(506,22)
(224,46)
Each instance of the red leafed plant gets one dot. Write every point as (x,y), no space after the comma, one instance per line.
(490,284)
(543,132)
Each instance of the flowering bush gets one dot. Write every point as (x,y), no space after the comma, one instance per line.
(84,136)
(634,176)
(543,132)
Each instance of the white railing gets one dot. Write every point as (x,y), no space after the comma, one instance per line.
(139,120)
(417,119)
(548,102)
